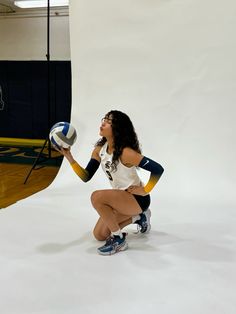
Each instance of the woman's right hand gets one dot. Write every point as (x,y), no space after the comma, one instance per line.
(66,152)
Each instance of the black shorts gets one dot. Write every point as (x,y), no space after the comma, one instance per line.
(143,201)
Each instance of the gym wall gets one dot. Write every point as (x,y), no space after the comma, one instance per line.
(24,111)
(26,38)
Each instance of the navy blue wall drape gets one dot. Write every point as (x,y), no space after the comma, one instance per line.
(24,86)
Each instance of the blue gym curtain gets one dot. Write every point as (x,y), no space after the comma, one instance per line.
(24,93)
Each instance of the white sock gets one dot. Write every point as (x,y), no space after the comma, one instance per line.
(135,218)
(118,233)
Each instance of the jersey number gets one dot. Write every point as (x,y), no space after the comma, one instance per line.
(109,175)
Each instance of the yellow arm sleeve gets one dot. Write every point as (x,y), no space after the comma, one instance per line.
(151,183)
(81,172)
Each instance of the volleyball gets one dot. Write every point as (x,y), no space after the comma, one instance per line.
(62,135)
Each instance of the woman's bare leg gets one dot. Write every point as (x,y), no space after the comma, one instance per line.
(101,231)
(110,203)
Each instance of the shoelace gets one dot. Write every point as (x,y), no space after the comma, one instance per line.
(109,240)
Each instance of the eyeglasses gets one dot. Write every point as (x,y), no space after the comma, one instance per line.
(106,120)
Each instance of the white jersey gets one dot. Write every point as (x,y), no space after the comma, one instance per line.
(122,177)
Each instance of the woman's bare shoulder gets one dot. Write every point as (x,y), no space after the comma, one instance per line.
(95,153)
(130,157)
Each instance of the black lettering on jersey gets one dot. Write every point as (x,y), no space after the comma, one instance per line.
(108,167)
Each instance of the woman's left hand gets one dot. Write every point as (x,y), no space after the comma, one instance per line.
(135,189)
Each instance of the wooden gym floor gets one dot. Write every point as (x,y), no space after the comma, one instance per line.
(12,187)
(13,175)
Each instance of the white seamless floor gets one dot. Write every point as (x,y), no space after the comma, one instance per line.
(49,262)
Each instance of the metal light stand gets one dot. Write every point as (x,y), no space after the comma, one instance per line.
(47,141)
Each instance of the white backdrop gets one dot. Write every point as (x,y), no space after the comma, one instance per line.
(171,66)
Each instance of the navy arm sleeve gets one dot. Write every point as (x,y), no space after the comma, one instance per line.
(156,172)
(87,173)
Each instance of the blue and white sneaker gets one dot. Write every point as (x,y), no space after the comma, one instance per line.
(114,244)
(143,224)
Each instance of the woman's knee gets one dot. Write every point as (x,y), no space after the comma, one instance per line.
(96,197)
(99,235)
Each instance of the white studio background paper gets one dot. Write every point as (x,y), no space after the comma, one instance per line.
(170,65)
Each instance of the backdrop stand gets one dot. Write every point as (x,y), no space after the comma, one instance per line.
(47,142)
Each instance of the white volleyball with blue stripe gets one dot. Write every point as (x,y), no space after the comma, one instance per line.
(62,134)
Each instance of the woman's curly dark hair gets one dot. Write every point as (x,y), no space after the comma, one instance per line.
(124,134)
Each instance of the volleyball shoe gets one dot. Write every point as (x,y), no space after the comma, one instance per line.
(143,224)
(114,244)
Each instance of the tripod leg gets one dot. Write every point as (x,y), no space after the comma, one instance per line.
(49,149)
(36,160)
